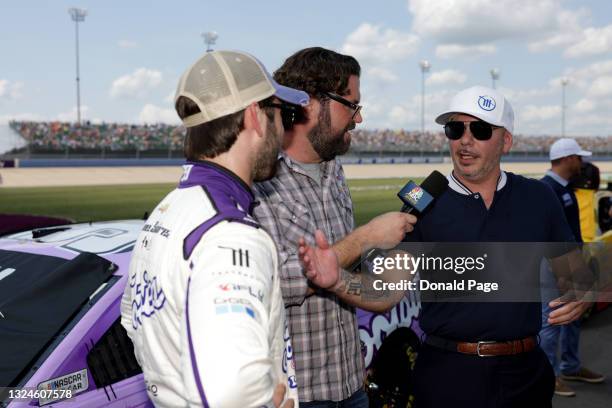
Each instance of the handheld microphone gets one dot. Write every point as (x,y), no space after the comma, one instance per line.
(417,199)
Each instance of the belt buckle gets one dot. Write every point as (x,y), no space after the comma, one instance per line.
(478,349)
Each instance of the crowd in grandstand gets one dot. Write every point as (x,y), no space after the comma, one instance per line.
(58,136)
(403,140)
(112,136)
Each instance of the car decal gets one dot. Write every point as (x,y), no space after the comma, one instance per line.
(72,384)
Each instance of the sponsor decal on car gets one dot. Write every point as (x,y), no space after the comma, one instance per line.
(73,383)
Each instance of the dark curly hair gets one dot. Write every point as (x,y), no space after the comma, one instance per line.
(212,138)
(316,70)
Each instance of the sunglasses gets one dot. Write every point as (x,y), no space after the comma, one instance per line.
(289,113)
(356,108)
(480,130)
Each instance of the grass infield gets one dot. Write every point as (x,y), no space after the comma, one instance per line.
(101,203)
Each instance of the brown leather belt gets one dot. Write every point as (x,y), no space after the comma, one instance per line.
(485,348)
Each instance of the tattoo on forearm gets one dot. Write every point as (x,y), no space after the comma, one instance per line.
(351,283)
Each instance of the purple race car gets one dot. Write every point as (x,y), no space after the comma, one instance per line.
(60,334)
(61,338)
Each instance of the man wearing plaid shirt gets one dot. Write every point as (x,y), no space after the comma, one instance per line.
(309,192)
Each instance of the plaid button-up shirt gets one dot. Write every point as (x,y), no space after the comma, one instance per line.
(324,331)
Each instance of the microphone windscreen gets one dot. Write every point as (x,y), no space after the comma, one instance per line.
(435,184)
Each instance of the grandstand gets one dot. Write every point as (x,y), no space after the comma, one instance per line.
(113,140)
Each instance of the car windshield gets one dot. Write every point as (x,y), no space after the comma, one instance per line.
(39,295)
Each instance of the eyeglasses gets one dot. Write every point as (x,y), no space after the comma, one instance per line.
(480,130)
(344,102)
(289,113)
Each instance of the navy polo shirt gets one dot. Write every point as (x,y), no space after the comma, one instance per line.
(568,201)
(523,210)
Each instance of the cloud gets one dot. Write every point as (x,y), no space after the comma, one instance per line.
(582,78)
(34,117)
(10,90)
(595,122)
(527,96)
(584,105)
(127,44)
(384,114)
(373,43)
(71,116)
(373,107)
(533,113)
(154,114)
(170,97)
(471,27)
(596,41)
(569,31)
(4,84)
(402,116)
(136,84)
(381,74)
(448,76)
(601,86)
(458,50)
(482,21)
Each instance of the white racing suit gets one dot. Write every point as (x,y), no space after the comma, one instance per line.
(203,305)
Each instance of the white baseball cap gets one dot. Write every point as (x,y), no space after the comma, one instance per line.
(484,103)
(566,147)
(225,82)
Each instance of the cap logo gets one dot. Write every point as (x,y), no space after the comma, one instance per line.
(486,103)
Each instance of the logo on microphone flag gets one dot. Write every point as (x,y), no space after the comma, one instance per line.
(415,196)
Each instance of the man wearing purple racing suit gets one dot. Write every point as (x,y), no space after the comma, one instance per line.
(203,305)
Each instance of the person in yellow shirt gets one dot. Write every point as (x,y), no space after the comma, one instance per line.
(585,186)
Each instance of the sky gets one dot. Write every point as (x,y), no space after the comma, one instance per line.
(132,53)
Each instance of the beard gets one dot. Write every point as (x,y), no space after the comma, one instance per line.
(267,158)
(324,141)
(489,162)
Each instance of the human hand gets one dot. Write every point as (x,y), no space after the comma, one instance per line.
(279,395)
(566,312)
(387,230)
(320,263)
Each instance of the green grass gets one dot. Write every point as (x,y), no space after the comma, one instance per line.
(372,197)
(100,203)
(97,203)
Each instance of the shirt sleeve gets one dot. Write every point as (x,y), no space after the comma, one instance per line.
(226,349)
(560,230)
(294,284)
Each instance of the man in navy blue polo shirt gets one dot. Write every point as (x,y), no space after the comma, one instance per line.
(480,354)
(485,204)
(566,159)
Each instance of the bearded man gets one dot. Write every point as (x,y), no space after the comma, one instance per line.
(309,192)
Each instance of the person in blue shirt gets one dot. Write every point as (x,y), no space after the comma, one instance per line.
(479,354)
(485,204)
(566,159)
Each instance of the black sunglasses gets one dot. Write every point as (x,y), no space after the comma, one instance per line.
(356,108)
(289,112)
(480,130)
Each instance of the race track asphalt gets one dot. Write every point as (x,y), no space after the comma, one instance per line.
(596,354)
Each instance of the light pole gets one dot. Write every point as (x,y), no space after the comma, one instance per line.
(210,38)
(78,16)
(425,67)
(494,76)
(564,82)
